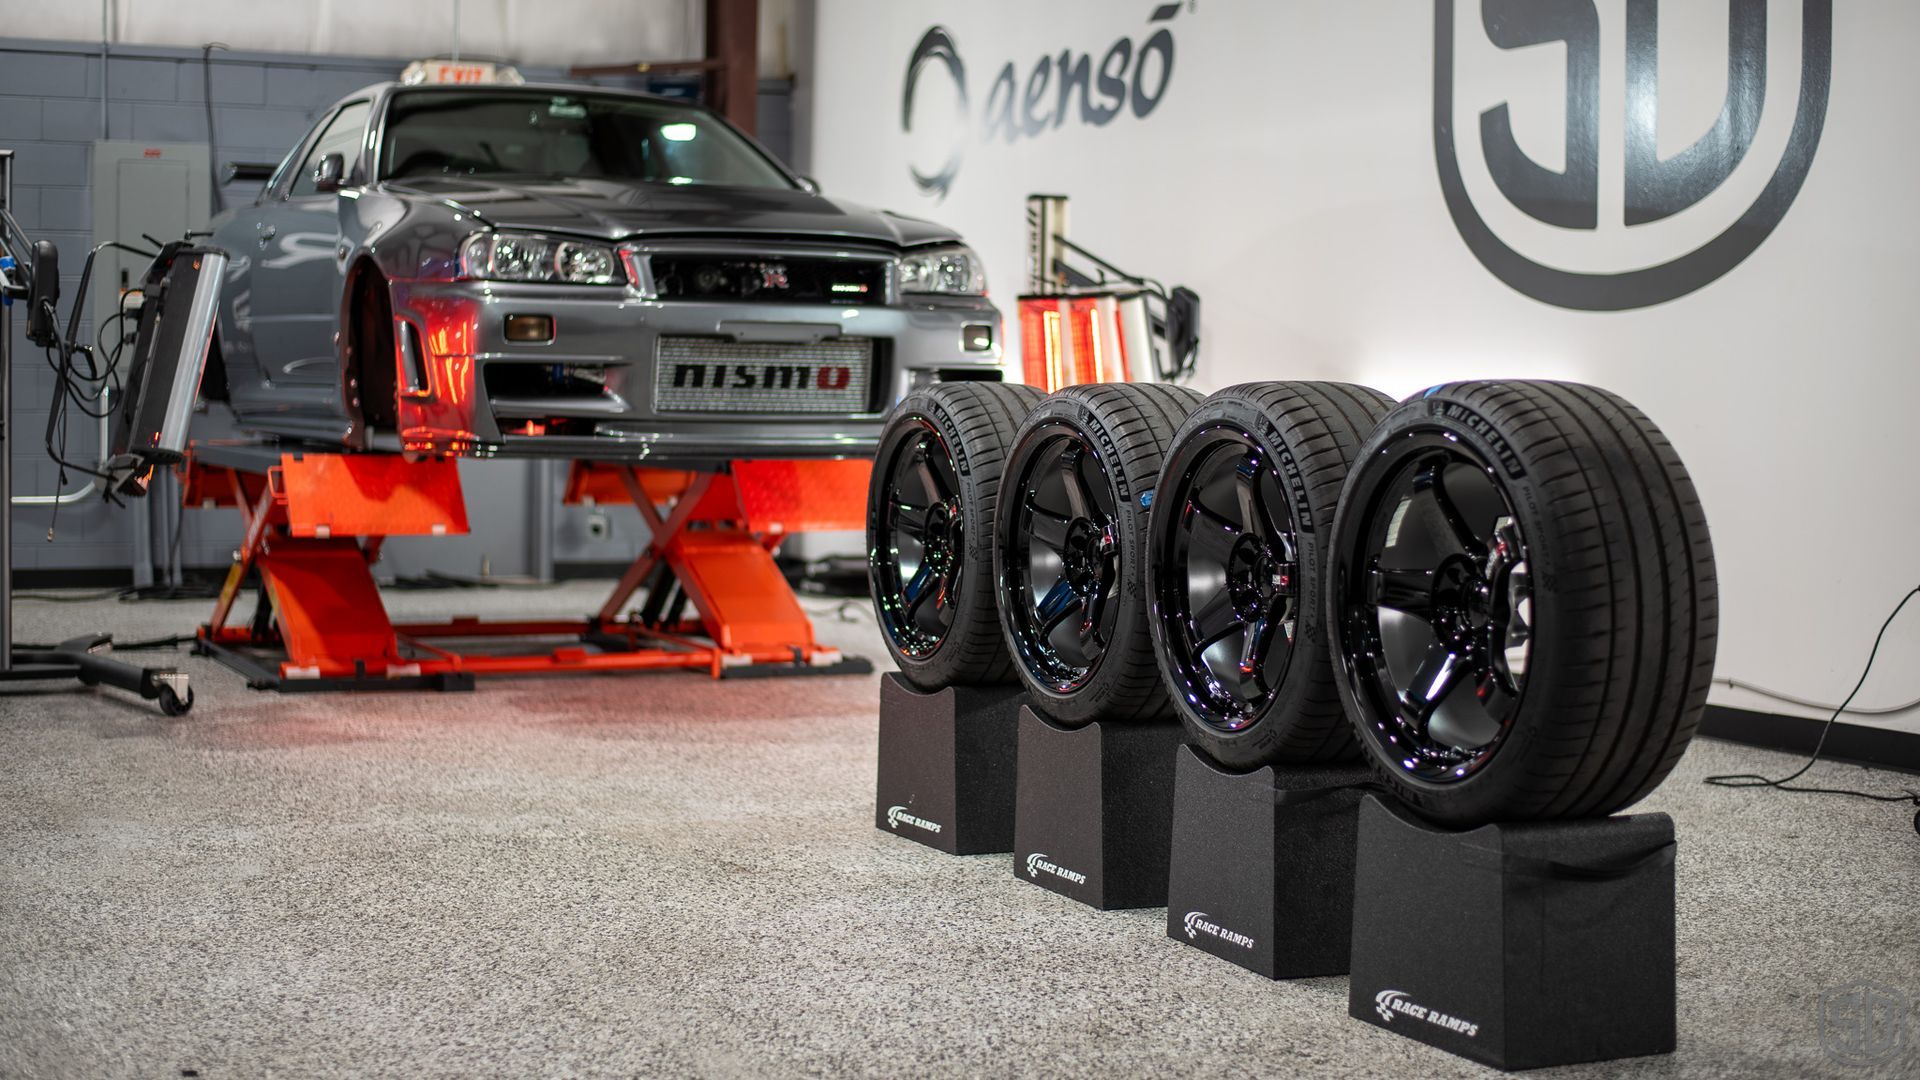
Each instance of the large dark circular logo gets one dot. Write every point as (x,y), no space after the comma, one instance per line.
(1552,239)
(936,46)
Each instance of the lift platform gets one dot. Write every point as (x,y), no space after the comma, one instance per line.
(711,596)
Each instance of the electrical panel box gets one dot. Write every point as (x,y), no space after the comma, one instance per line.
(157,189)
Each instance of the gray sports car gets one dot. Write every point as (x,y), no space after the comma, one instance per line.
(559,270)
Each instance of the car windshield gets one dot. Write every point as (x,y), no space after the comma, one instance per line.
(564,136)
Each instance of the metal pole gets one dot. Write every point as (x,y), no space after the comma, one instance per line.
(6,445)
(540,539)
(106,35)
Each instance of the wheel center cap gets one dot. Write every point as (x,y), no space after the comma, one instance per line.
(1254,577)
(1085,555)
(1461,595)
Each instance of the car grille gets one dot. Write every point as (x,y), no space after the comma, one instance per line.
(769,280)
(700,374)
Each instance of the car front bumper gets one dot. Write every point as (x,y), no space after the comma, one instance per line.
(458,349)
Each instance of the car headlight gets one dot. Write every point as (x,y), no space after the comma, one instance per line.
(952,270)
(498,256)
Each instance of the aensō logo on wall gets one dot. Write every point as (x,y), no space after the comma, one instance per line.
(1562,233)
(1128,77)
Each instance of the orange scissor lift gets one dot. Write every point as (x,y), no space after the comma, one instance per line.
(315,523)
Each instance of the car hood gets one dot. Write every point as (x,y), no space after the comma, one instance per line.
(617,210)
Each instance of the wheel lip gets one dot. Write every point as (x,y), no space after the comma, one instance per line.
(1191,448)
(1392,449)
(1011,591)
(883,575)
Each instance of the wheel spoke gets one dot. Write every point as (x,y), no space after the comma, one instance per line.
(920,588)
(1049,528)
(1060,604)
(1274,518)
(1248,502)
(1410,591)
(1433,481)
(1214,618)
(1073,485)
(912,519)
(1209,536)
(929,480)
(1439,673)
(1254,647)
(1211,518)
(1088,632)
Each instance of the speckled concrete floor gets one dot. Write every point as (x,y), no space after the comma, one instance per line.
(660,875)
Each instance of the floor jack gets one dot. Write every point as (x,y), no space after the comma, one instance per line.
(713,598)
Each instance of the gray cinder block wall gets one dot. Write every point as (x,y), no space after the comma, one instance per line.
(262,103)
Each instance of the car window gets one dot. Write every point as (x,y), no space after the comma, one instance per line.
(563,136)
(343,136)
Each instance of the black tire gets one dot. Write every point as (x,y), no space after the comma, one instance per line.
(375,388)
(1542,541)
(1238,566)
(1079,548)
(953,436)
(213,380)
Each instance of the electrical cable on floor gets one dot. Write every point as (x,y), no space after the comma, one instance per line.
(846,611)
(1785,783)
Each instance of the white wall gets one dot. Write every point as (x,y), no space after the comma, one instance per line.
(558,32)
(1288,173)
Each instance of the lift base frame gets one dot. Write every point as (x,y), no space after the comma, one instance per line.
(315,523)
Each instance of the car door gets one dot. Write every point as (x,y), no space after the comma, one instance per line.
(294,276)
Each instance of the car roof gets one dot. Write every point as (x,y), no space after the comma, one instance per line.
(382,89)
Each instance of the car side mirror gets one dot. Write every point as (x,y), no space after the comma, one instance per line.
(811,185)
(328,172)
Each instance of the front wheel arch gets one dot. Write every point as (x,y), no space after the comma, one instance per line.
(369,378)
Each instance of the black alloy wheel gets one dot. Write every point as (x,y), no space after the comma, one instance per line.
(1237,567)
(1523,602)
(930,513)
(923,532)
(1064,560)
(1443,606)
(1070,558)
